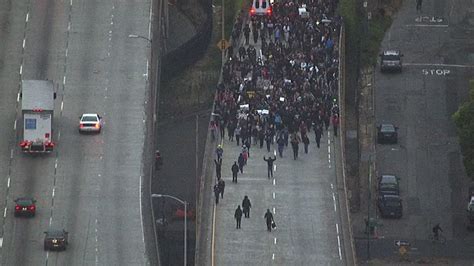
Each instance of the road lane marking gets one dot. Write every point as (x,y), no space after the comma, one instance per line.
(140,200)
(274,168)
(339,247)
(213,237)
(50,220)
(8,182)
(24,43)
(27,17)
(273,195)
(273,256)
(334,201)
(21,69)
(275,241)
(56,164)
(428,25)
(438,65)
(54,190)
(11,154)
(274,210)
(14,125)
(18,97)
(64,80)
(1,242)
(274,181)
(62,105)
(338,242)
(59,136)
(5,212)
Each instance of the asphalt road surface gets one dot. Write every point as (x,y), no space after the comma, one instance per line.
(303,197)
(90,185)
(438,63)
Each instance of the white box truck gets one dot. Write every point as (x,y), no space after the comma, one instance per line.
(37,108)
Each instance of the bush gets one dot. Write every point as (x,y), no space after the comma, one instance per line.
(464,120)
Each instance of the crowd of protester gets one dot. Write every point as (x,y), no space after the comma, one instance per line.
(289,86)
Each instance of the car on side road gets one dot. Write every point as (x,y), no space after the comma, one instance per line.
(390,206)
(387,133)
(25,206)
(55,239)
(391,60)
(90,123)
(389,185)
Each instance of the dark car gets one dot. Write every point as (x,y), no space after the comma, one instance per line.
(390,206)
(25,206)
(55,239)
(388,185)
(387,133)
(391,60)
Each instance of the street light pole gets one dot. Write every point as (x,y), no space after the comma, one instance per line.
(185,221)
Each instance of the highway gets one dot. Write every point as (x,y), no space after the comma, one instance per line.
(90,185)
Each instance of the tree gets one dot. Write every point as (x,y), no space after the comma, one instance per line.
(464,120)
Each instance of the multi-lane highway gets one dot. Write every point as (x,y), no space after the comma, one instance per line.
(90,185)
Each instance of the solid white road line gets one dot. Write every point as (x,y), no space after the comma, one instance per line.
(438,65)
(428,25)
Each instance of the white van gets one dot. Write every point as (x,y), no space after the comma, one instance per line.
(261,8)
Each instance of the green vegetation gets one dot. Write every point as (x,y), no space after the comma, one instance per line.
(362,38)
(464,120)
(194,88)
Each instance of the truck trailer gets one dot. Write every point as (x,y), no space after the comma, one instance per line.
(37,110)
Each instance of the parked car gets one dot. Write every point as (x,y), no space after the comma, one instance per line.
(55,239)
(388,185)
(390,206)
(391,60)
(387,133)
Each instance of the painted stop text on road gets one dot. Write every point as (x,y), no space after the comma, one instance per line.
(435,72)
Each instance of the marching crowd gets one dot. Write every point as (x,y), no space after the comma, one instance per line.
(279,93)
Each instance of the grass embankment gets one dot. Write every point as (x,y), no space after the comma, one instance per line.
(464,120)
(194,88)
(363,37)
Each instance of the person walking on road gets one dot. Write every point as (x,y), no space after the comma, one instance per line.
(318,134)
(418,5)
(270,165)
(219,151)
(221,185)
(241,161)
(268,139)
(335,123)
(281,145)
(305,140)
(237,135)
(268,219)
(235,171)
(238,216)
(218,164)
(216,193)
(295,142)
(246,205)
(247,34)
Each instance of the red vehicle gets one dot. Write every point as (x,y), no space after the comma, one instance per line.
(25,207)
